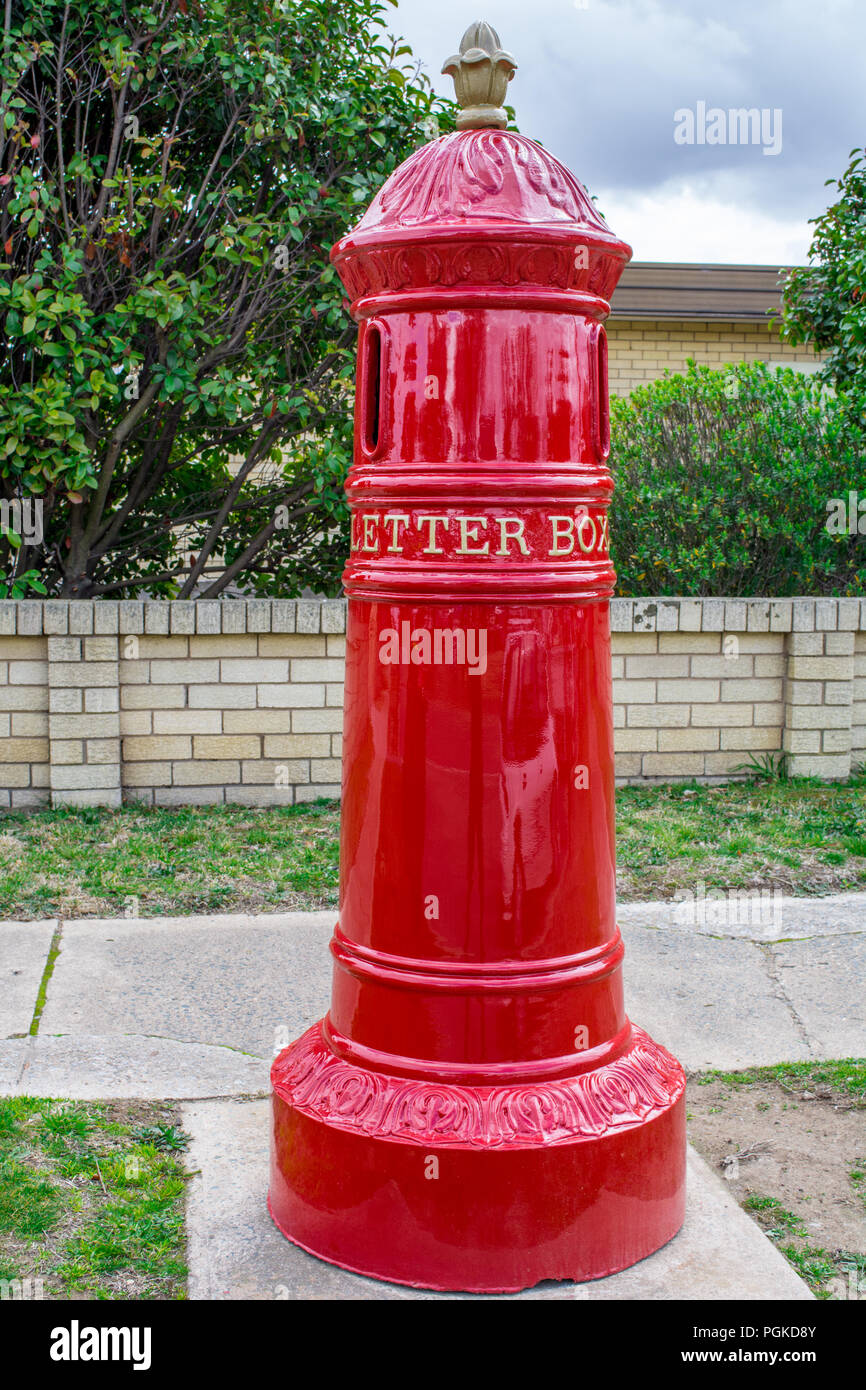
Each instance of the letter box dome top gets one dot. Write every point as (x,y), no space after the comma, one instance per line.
(481,206)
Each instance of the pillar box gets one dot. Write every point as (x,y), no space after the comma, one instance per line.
(476,1111)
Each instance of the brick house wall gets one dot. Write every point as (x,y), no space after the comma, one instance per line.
(664,313)
(641,350)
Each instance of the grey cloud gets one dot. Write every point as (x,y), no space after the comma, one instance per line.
(599,87)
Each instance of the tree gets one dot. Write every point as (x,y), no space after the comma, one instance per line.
(737,481)
(825,302)
(176,352)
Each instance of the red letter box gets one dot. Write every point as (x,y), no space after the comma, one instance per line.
(476,1111)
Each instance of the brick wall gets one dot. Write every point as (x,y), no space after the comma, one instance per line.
(241,701)
(858,699)
(24,765)
(641,350)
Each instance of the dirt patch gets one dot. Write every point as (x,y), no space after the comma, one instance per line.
(794,1155)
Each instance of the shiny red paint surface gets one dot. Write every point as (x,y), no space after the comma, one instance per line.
(461,787)
(477,1024)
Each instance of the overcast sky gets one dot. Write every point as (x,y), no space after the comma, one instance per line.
(599,83)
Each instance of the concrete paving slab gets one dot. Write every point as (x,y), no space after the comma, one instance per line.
(825,981)
(752,916)
(23,952)
(107,1068)
(13,1054)
(235,1251)
(244,982)
(712,1002)
(253,983)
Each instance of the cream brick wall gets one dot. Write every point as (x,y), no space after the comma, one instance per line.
(207,718)
(83,719)
(183,703)
(640,350)
(858,706)
(24,748)
(696,704)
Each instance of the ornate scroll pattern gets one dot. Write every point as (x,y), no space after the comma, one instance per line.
(641,1083)
(482,173)
(373,270)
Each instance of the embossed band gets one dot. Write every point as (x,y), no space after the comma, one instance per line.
(642,1082)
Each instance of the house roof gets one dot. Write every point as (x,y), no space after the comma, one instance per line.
(677,290)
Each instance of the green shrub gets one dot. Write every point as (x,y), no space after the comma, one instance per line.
(725,481)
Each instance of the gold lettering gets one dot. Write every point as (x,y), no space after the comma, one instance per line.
(469,532)
(431,523)
(393,519)
(583,521)
(368,523)
(505,535)
(563,529)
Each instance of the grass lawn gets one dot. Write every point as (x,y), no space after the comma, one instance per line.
(92,1198)
(800,836)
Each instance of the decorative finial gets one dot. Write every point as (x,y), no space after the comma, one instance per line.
(482,71)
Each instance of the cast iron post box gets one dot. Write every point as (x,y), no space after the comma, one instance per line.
(476,1111)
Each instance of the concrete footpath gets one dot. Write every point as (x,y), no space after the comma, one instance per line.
(193,1009)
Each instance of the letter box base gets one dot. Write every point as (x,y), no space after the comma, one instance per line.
(486,1189)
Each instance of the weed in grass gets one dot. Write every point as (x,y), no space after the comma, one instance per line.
(756,1203)
(765,767)
(778,1220)
(814,1265)
(67,1123)
(14,1110)
(165,1137)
